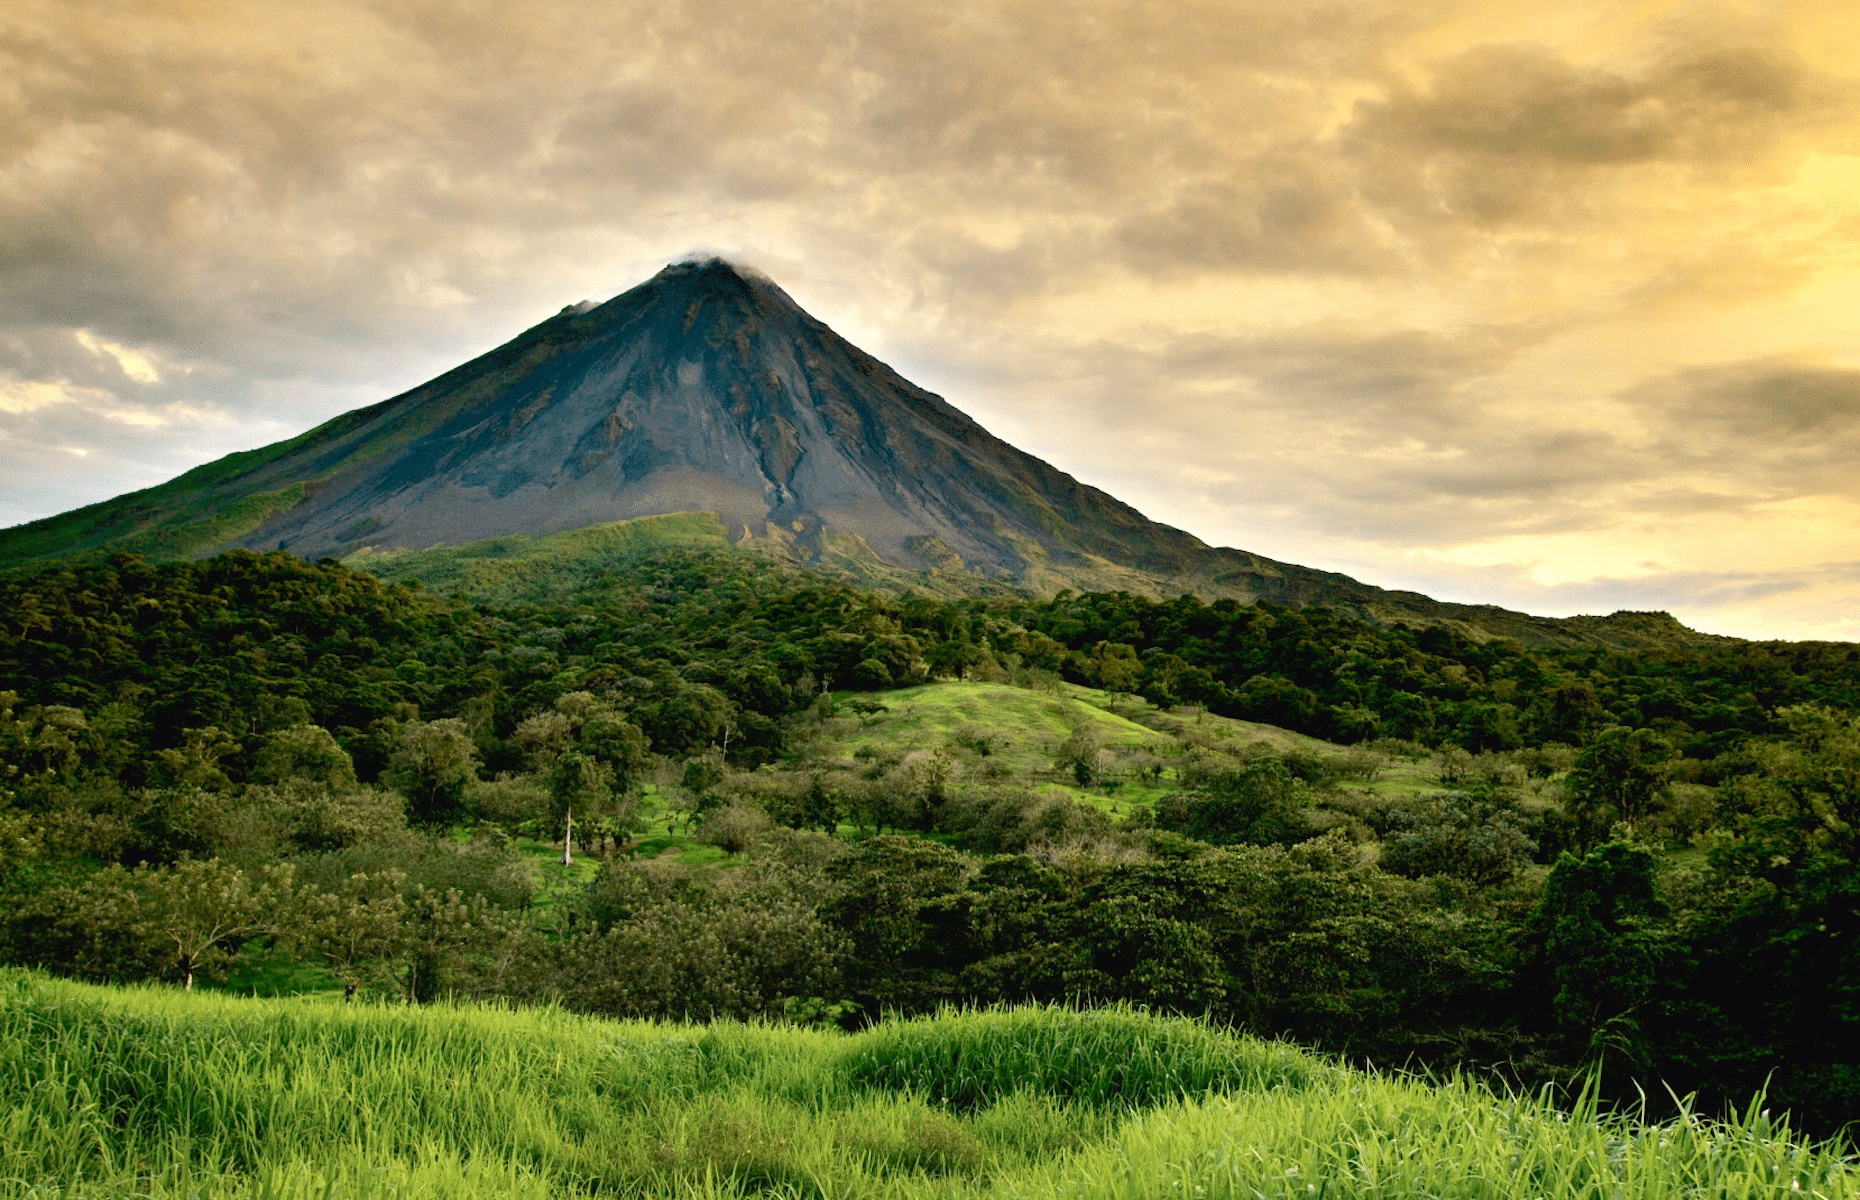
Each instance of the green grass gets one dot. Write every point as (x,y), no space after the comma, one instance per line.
(554,883)
(151,1092)
(1029,726)
(523,569)
(275,973)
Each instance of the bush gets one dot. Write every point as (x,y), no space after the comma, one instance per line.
(625,888)
(1258,803)
(702,954)
(305,752)
(509,802)
(1113,1057)
(501,877)
(1479,840)
(734,828)
(1010,820)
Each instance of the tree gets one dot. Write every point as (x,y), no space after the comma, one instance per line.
(19,839)
(581,786)
(1616,778)
(355,931)
(1117,667)
(1574,709)
(195,762)
(734,828)
(618,744)
(431,766)
(817,806)
(315,818)
(201,910)
(1475,838)
(704,955)
(305,752)
(543,736)
(687,719)
(1779,939)
(510,801)
(375,928)
(1277,701)
(929,774)
(439,929)
(207,908)
(1602,955)
(702,773)
(38,745)
(1258,802)
(1083,755)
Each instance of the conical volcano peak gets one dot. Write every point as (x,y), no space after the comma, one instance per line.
(698,280)
(704,389)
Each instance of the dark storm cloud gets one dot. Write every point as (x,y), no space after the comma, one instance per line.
(1787,428)
(1518,134)
(1527,102)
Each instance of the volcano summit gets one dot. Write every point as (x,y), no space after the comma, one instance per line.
(707,389)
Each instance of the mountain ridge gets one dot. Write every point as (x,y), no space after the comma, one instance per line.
(706,389)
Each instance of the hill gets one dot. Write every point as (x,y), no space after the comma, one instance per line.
(707,392)
(152,1093)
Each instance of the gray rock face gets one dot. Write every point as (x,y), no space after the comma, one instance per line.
(706,388)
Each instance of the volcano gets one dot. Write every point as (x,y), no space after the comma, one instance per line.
(705,389)
(708,389)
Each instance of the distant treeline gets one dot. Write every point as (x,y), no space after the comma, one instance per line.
(693,644)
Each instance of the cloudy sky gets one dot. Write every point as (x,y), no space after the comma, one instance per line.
(1553,306)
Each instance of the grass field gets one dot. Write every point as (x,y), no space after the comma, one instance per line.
(151,1092)
(1028,727)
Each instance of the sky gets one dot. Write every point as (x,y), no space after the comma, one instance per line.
(1549,306)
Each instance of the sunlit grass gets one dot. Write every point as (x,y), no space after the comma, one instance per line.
(150,1092)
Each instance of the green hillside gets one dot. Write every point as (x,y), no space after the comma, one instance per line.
(521,569)
(146,1092)
(1396,846)
(1007,733)
(579,565)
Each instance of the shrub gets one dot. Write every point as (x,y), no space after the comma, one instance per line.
(1479,840)
(734,828)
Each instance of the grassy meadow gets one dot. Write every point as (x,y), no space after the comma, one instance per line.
(150,1092)
(1025,728)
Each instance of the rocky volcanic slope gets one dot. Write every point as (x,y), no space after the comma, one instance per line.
(708,389)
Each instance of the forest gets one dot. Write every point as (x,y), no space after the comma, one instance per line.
(1400,846)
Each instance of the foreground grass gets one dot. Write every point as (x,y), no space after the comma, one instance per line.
(149,1092)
